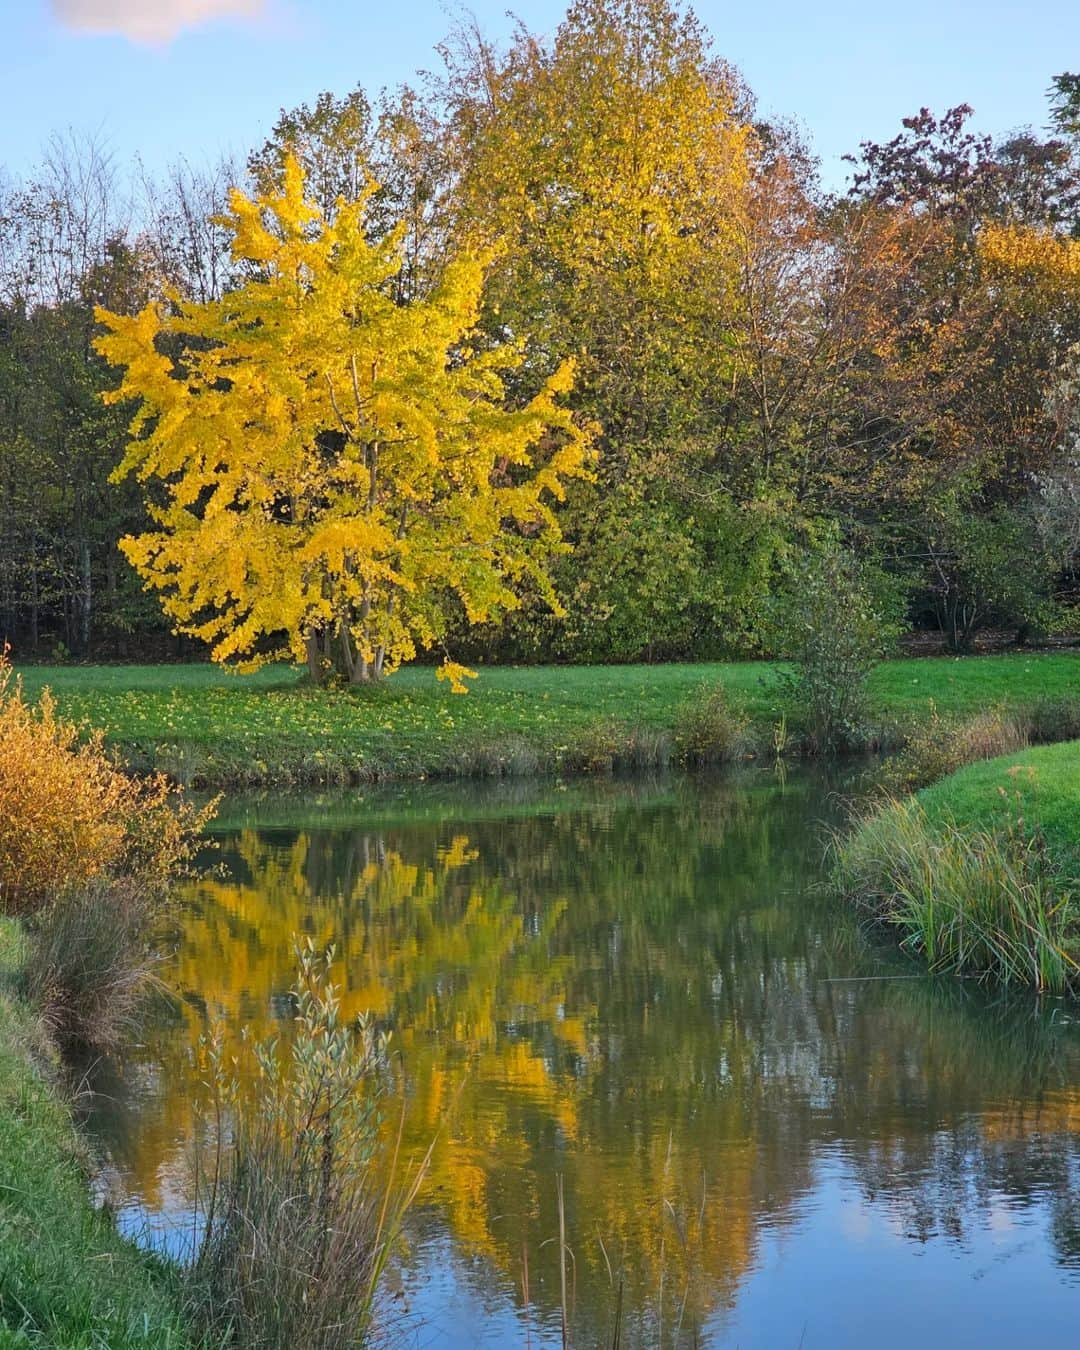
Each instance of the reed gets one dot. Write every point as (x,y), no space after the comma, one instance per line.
(301,1203)
(988,903)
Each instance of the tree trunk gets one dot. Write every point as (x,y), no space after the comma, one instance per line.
(35,603)
(314,658)
(85,597)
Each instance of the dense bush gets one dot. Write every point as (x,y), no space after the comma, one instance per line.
(984,568)
(69,815)
(709,729)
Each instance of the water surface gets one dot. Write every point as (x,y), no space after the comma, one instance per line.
(770,1130)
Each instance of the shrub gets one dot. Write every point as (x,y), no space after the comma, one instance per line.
(987,903)
(91,958)
(302,1210)
(937,748)
(709,729)
(1054,719)
(595,748)
(69,815)
(835,619)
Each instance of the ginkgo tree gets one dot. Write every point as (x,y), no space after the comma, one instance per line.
(326,469)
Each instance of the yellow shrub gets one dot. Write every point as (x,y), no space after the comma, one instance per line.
(68,814)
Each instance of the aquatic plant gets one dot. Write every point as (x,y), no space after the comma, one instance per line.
(302,1201)
(984,902)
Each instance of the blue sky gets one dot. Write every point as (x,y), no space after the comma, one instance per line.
(196,77)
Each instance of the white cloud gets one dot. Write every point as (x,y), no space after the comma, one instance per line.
(150,20)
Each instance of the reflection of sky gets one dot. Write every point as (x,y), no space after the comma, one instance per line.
(847,1276)
(836,1273)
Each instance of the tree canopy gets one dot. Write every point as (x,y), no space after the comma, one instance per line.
(327,465)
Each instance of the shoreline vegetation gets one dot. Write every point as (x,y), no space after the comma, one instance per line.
(67,1277)
(297,1204)
(205,728)
(978,872)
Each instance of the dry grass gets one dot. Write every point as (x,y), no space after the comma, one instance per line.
(303,1201)
(939,746)
(91,961)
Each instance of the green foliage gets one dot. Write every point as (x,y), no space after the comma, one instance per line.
(641,587)
(753,353)
(332,141)
(1065,103)
(986,568)
(836,618)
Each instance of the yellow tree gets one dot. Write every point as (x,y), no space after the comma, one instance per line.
(1048,262)
(329,470)
(614,161)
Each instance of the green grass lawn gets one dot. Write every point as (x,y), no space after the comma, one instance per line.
(1041,786)
(67,1278)
(203,725)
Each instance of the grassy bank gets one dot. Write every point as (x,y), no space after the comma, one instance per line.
(1039,787)
(979,874)
(205,727)
(67,1279)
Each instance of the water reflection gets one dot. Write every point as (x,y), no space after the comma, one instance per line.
(642,991)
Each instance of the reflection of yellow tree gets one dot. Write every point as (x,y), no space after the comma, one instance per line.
(595,995)
(477,984)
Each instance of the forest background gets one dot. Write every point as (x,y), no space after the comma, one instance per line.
(779,375)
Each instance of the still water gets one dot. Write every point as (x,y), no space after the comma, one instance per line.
(770,1130)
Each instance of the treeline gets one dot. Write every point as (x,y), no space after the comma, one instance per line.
(775,371)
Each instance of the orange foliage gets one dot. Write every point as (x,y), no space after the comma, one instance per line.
(68,814)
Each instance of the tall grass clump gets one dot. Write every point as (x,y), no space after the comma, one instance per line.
(987,903)
(710,729)
(91,959)
(301,1205)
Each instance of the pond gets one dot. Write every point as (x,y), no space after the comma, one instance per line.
(769,1129)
